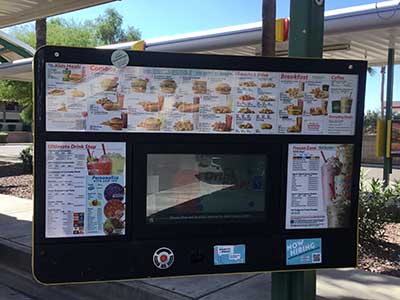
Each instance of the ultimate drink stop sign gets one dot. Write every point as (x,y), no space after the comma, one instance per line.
(155,164)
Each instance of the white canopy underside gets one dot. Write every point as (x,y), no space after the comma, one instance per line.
(13,12)
(362,32)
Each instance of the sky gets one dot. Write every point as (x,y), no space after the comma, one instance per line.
(157,18)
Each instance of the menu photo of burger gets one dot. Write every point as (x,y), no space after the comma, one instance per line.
(223,88)
(150,124)
(199,87)
(139,85)
(109,84)
(168,86)
(75,77)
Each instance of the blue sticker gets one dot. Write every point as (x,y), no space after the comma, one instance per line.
(303,252)
(229,254)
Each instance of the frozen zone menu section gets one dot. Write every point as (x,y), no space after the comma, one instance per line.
(319,186)
(85,189)
(145,99)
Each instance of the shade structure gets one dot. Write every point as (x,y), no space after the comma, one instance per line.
(13,12)
(362,32)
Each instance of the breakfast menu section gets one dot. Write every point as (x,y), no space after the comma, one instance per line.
(319,186)
(85,189)
(145,99)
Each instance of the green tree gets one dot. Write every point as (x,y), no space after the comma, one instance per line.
(60,32)
(106,29)
(22,93)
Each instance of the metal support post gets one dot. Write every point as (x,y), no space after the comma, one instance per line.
(387,160)
(306,36)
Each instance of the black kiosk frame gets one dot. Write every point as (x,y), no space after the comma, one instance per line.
(186,246)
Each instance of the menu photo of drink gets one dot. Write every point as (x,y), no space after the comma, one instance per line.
(85,189)
(342,104)
(319,186)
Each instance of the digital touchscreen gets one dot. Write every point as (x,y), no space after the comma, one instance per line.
(205,187)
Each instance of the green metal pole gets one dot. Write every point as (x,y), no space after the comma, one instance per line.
(306,36)
(387,161)
(306,32)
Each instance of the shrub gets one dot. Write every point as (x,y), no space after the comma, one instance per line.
(393,203)
(3,137)
(373,215)
(26,156)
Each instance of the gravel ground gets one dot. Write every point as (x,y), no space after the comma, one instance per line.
(383,256)
(379,257)
(14,181)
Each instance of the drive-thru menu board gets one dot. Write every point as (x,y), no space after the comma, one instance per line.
(85,189)
(188,164)
(319,186)
(83,97)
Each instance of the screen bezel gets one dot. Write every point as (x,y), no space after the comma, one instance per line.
(146,230)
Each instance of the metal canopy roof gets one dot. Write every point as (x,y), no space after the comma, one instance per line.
(13,12)
(360,32)
(12,49)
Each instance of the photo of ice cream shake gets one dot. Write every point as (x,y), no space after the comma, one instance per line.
(329,169)
(345,155)
(336,173)
(338,213)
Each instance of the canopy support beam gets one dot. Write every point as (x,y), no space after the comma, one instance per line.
(306,36)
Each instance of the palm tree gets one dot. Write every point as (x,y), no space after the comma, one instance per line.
(268,28)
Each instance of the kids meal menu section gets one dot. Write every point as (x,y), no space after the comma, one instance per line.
(102,98)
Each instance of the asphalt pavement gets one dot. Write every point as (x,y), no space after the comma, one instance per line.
(15,253)
(8,293)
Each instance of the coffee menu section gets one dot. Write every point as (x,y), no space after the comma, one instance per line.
(102,98)
(85,189)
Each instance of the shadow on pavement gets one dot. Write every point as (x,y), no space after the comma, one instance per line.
(11,169)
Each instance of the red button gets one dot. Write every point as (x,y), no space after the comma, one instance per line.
(163,258)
